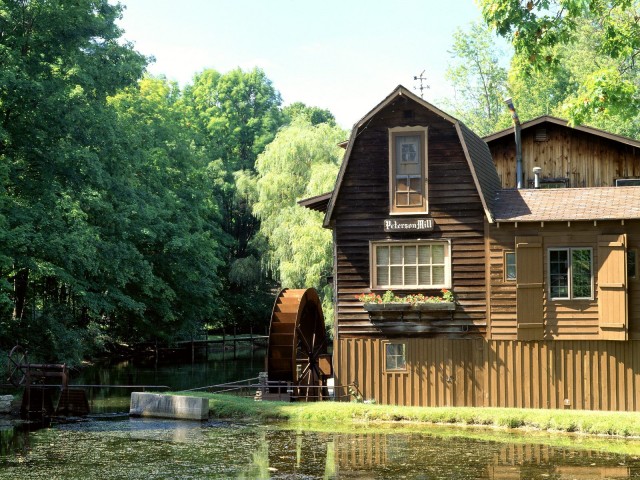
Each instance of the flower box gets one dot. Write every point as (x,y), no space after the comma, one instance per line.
(387,307)
(404,307)
(445,306)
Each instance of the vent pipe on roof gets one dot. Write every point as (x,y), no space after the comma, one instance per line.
(516,128)
(536,176)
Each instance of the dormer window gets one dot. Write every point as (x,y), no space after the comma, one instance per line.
(407,168)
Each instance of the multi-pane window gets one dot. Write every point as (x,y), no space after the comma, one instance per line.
(411,265)
(407,167)
(510,266)
(395,356)
(408,171)
(570,273)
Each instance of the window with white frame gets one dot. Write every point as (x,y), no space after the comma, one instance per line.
(510,266)
(408,170)
(410,265)
(395,356)
(570,273)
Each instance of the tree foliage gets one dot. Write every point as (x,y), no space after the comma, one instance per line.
(235,116)
(544,33)
(60,60)
(126,212)
(302,161)
(480,82)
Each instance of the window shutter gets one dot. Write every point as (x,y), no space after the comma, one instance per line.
(529,288)
(612,287)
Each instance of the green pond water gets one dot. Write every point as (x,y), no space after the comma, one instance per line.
(110,445)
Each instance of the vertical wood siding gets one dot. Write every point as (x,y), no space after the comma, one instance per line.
(582,375)
(587,160)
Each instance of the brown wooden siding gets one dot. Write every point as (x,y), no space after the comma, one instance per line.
(587,160)
(582,375)
(454,204)
(564,319)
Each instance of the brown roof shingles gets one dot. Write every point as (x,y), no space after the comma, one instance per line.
(567,204)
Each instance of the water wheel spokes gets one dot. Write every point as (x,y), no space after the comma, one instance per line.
(298,342)
(17,366)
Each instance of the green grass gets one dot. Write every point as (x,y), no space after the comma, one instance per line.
(612,432)
(622,424)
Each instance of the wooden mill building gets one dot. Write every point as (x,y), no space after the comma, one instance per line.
(547,294)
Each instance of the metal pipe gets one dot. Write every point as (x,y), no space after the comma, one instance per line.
(516,128)
(536,176)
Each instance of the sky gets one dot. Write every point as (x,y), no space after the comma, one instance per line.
(345,55)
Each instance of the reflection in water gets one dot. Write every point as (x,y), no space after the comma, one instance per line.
(147,448)
(218,367)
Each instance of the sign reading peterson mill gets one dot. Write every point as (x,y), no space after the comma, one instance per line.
(408,224)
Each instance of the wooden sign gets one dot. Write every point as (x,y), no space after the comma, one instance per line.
(408,225)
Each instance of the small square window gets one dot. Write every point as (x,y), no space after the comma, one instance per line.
(395,356)
(510,266)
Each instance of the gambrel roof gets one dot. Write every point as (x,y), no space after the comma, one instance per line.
(475,149)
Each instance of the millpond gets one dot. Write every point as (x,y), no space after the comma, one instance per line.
(110,445)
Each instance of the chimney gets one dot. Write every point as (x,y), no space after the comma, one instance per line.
(516,128)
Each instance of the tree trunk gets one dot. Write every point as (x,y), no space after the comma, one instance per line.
(20,285)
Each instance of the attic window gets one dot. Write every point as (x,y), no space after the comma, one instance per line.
(407,170)
(541,135)
(408,114)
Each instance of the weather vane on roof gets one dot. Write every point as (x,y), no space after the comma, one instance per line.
(422,86)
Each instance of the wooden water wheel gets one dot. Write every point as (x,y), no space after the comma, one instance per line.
(297,350)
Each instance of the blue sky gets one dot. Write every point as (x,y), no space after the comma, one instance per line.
(342,55)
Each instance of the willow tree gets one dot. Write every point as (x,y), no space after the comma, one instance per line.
(302,161)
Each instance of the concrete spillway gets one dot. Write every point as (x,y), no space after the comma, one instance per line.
(168,406)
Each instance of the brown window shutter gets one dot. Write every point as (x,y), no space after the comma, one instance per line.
(612,287)
(530,288)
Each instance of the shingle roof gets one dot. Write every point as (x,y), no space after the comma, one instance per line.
(567,204)
(482,165)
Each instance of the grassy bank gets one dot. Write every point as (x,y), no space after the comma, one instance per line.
(620,424)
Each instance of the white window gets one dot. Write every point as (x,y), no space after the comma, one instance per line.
(395,357)
(510,266)
(410,265)
(407,170)
(570,273)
